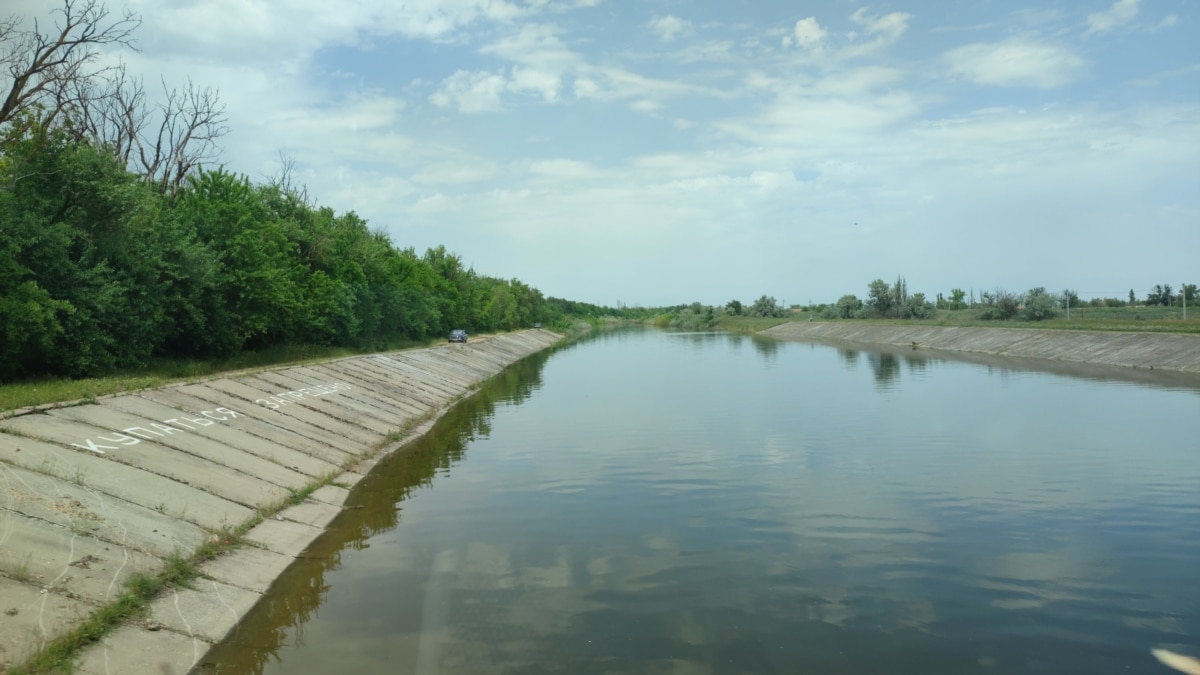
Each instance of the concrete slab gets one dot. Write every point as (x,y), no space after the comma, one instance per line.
(251,568)
(315,514)
(83,511)
(343,434)
(1164,351)
(64,563)
(318,442)
(359,372)
(208,612)
(196,442)
(102,476)
(283,536)
(342,408)
(372,397)
(29,617)
(179,466)
(418,383)
(254,422)
(135,649)
(235,434)
(331,494)
(368,407)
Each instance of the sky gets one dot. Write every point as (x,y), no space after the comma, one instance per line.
(663,152)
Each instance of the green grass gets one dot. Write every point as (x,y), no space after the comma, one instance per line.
(750,324)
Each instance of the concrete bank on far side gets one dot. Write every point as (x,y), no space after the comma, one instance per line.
(93,494)
(1159,351)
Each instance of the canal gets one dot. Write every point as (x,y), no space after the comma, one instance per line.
(654,502)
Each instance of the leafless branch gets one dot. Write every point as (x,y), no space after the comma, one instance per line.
(50,68)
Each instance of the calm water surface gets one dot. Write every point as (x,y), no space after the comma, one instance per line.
(703,503)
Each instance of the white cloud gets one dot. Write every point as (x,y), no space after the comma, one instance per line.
(807,34)
(669,27)
(563,169)
(1168,21)
(471,92)
(1120,14)
(714,50)
(1019,62)
(466,170)
(533,80)
(537,45)
(888,27)
(882,31)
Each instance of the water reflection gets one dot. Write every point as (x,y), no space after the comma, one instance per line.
(292,602)
(886,367)
(766,347)
(659,502)
(849,356)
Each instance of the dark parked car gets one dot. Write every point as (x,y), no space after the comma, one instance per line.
(458,335)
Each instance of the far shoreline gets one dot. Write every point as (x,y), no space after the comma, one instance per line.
(1174,356)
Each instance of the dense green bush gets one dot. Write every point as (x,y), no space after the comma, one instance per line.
(1039,306)
(99,271)
(999,306)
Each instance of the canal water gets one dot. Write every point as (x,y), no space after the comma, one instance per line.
(653,502)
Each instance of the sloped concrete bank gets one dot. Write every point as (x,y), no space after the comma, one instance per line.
(1159,351)
(93,494)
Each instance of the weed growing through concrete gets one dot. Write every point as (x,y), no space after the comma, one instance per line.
(20,569)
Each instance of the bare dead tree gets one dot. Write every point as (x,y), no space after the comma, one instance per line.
(285,180)
(57,75)
(49,69)
(111,112)
(192,119)
(163,142)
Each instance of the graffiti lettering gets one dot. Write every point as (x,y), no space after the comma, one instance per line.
(93,447)
(120,438)
(135,430)
(277,401)
(135,435)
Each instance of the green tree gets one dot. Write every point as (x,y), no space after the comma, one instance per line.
(1039,305)
(766,306)
(917,307)
(1161,295)
(879,298)
(999,305)
(847,306)
(1188,292)
(734,307)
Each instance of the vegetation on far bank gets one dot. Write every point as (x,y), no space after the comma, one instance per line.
(1129,319)
(1162,310)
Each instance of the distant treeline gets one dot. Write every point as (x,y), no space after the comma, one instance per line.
(102,270)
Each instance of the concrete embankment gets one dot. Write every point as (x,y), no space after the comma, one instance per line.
(1160,351)
(96,493)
